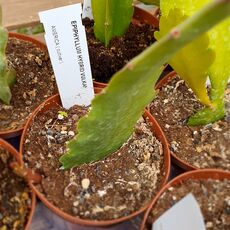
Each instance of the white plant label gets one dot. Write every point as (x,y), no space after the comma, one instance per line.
(67,45)
(185,214)
(87,9)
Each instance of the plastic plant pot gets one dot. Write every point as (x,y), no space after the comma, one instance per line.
(13,152)
(195,174)
(53,102)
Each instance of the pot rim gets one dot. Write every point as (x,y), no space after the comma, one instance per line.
(16,155)
(76,220)
(16,132)
(195,174)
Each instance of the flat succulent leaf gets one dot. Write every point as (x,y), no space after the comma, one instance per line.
(191,62)
(205,56)
(114,113)
(111,18)
(207,115)
(219,73)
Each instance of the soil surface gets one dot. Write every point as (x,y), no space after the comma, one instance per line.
(105,61)
(212,195)
(201,146)
(34,82)
(107,189)
(15,200)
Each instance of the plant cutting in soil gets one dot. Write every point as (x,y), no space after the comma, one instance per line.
(211,194)
(200,146)
(33,83)
(204,58)
(206,145)
(105,61)
(113,39)
(15,196)
(116,110)
(108,189)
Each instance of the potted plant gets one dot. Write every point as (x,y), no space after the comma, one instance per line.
(26,79)
(103,131)
(129,32)
(138,169)
(210,187)
(196,122)
(17,203)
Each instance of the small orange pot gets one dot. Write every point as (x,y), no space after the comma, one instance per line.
(17,132)
(139,16)
(196,174)
(16,156)
(54,101)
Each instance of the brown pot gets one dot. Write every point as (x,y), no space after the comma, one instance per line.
(196,174)
(17,132)
(139,16)
(52,102)
(16,156)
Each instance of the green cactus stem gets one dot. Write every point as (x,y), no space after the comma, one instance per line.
(114,113)
(111,18)
(7,76)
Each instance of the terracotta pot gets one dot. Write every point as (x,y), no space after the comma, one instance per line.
(196,174)
(52,102)
(139,16)
(16,156)
(17,132)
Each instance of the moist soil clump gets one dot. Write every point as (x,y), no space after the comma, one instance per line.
(34,82)
(201,146)
(107,189)
(212,195)
(15,197)
(105,61)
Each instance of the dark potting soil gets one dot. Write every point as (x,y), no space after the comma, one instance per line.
(201,146)
(34,82)
(15,200)
(107,61)
(212,195)
(107,189)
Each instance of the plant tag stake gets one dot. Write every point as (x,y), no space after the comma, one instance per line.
(66,40)
(183,215)
(87,9)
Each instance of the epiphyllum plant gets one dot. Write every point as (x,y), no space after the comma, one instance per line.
(114,113)
(207,56)
(7,75)
(112,17)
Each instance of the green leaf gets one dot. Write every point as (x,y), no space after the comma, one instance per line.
(219,73)
(191,62)
(206,56)
(114,113)
(111,18)
(7,76)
